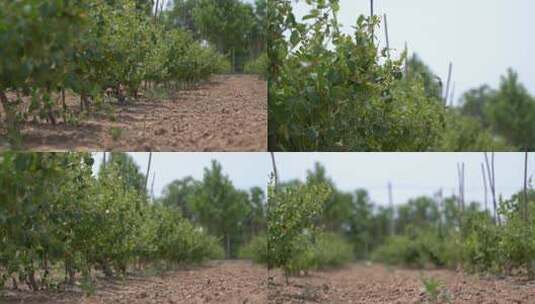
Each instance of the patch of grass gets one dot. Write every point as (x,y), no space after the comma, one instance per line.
(434,291)
(116,133)
(109,111)
(158,93)
(432,288)
(87,285)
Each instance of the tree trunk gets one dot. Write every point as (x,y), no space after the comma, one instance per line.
(106,269)
(531,270)
(70,274)
(227,245)
(32,283)
(7,109)
(47,271)
(63,100)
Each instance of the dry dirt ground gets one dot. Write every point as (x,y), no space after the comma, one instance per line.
(361,283)
(240,282)
(225,282)
(227,113)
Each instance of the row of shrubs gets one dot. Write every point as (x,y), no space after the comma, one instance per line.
(56,214)
(92,48)
(329,250)
(480,245)
(258,66)
(468,237)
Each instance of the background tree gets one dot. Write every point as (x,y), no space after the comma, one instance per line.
(256,222)
(417,69)
(474,102)
(227,24)
(511,112)
(178,194)
(221,208)
(129,172)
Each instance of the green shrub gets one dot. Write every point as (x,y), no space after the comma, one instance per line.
(348,97)
(256,250)
(417,250)
(481,250)
(331,250)
(174,239)
(87,47)
(465,133)
(291,217)
(54,212)
(258,66)
(518,244)
(517,234)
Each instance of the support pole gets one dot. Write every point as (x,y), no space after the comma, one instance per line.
(391,204)
(446,94)
(387,38)
(148,170)
(485,186)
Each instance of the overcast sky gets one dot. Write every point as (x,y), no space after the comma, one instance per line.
(411,174)
(246,170)
(481,37)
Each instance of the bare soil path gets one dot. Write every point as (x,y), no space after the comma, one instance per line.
(228,113)
(240,282)
(361,283)
(225,282)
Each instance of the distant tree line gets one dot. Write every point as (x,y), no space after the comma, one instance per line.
(234,27)
(499,119)
(232,215)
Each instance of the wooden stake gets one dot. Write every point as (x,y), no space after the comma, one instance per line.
(406,60)
(450,70)
(492,184)
(485,186)
(387,39)
(156,10)
(391,204)
(152,186)
(275,173)
(452,95)
(440,209)
(161,8)
(148,170)
(460,174)
(526,187)
(371,17)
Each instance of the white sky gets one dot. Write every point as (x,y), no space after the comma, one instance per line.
(481,37)
(412,174)
(246,170)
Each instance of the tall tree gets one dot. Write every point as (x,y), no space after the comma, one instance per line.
(129,171)
(511,112)
(226,24)
(221,208)
(178,194)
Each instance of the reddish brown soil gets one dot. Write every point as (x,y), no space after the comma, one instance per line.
(243,282)
(377,284)
(228,113)
(219,282)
